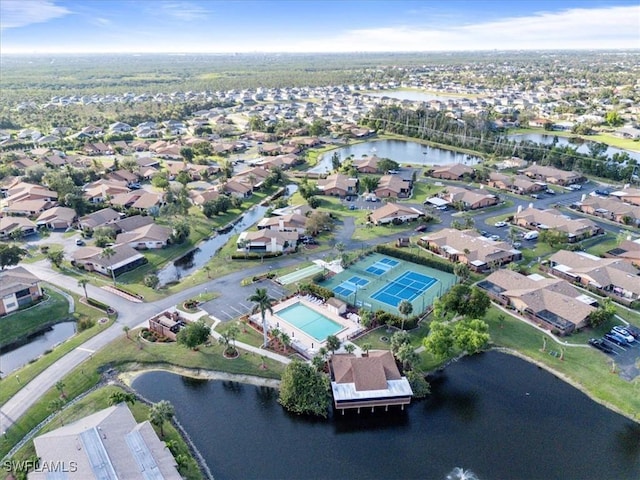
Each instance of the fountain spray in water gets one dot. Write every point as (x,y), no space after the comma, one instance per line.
(461,474)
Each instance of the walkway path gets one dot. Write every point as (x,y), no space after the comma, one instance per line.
(70,300)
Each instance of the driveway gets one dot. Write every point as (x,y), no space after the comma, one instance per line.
(234,303)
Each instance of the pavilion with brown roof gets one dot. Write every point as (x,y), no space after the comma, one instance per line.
(368,381)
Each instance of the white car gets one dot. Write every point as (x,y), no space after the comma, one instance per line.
(500,224)
(623,332)
(495,238)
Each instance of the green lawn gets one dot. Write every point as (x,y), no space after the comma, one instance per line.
(9,386)
(53,309)
(586,367)
(126,353)
(99,400)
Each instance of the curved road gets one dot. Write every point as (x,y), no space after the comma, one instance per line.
(133,314)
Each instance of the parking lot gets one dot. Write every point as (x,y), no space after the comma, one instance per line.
(234,302)
(626,358)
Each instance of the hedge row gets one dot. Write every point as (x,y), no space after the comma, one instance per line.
(316,290)
(414,258)
(253,256)
(97,303)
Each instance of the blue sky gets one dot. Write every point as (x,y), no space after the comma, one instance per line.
(59,26)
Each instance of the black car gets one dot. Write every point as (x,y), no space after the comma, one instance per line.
(600,345)
(616,340)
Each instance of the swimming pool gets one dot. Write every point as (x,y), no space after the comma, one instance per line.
(309,321)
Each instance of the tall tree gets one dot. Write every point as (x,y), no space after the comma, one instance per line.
(405,308)
(119,396)
(193,334)
(83,283)
(304,390)
(10,255)
(159,413)
(263,304)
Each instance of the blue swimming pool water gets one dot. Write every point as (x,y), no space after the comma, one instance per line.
(309,321)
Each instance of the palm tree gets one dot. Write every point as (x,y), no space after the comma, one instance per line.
(405,308)
(365,348)
(349,347)
(263,304)
(126,329)
(285,340)
(161,412)
(60,387)
(120,396)
(83,283)
(107,253)
(207,269)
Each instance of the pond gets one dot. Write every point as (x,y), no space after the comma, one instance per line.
(36,345)
(494,414)
(581,146)
(400,151)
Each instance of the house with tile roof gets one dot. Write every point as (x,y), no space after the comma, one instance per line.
(19,226)
(92,259)
(368,382)
(468,199)
(150,236)
(338,185)
(553,175)
(608,276)
(18,288)
(576,229)
(550,302)
(470,248)
(267,241)
(394,213)
(454,171)
(393,186)
(612,209)
(57,218)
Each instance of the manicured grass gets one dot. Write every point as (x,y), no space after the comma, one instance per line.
(124,353)
(99,400)
(9,386)
(586,367)
(53,309)
(246,334)
(541,250)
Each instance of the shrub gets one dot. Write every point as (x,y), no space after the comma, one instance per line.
(85,323)
(316,290)
(97,303)
(414,258)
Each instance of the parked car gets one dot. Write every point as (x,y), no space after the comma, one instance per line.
(79,242)
(600,345)
(535,196)
(623,332)
(495,238)
(500,224)
(531,235)
(575,186)
(604,193)
(550,192)
(421,228)
(617,339)
(633,330)
(441,207)
(484,233)
(517,244)
(353,207)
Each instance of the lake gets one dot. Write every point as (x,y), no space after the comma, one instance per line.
(581,147)
(494,414)
(13,359)
(400,151)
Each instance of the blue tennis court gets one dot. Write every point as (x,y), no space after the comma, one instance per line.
(382,266)
(408,286)
(347,287)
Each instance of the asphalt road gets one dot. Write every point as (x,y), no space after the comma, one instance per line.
(229,305)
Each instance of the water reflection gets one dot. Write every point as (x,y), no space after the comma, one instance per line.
(479,418)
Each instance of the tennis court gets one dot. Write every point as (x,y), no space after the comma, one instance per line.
(378,282)
(408,286)
(347,287)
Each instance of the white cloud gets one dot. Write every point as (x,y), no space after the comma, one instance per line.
(20,13)
(184,11)
(615,27)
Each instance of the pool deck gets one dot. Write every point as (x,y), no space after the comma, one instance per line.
(299,339)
